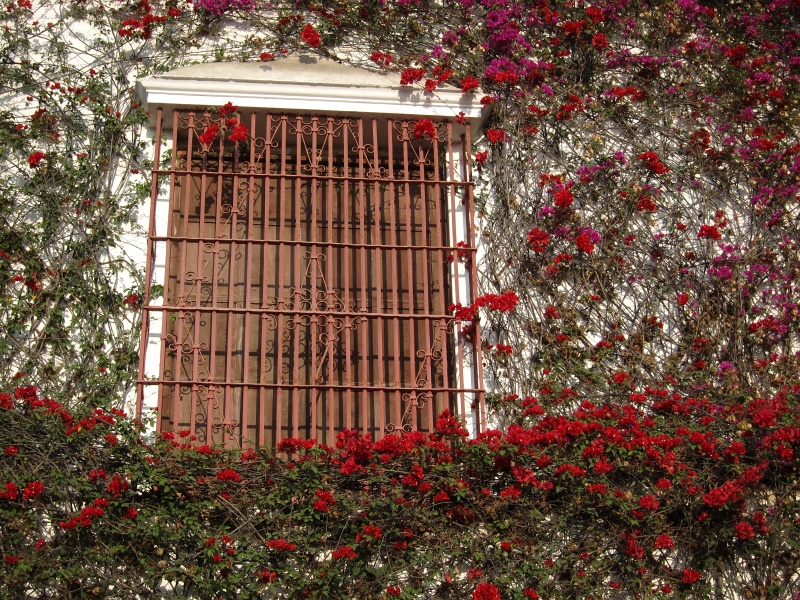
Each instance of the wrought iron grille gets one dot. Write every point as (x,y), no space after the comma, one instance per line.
(309,266)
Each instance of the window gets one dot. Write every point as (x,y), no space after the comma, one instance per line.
(307,273)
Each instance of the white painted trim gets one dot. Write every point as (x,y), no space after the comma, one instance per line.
(332,88)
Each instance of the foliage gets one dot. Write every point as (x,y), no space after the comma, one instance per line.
(676,499)
(638,187)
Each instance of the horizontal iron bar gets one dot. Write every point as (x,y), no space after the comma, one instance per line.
(323,244)
(334,178)
(286,311)
(308,386)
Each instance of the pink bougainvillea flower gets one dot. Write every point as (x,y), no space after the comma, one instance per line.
(218,7)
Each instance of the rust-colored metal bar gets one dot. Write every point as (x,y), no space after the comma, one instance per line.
(396,262)
(366,301)
(264,321)
(443,277)
(330,351)
(244,422)
(346,214)
(280,225)
(296,211)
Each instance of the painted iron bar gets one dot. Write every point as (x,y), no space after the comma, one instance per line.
(451,249)
(307,386)
(302,177)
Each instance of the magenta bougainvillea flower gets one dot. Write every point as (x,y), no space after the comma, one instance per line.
(218,7)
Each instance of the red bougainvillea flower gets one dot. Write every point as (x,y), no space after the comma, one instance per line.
(469,84)
(410,75)
(495,136)
(290,445)
(664,542)
(248,455)
(424,127)
(11,560)
(653,163)
(584,243)
(649,502)
(344,553)
(539,240)
(690,576)
(529,593)
(12,491)
(324,499)
(281,545)
(228,475)
(239,133)
(486,591)
(646,204)
(683,299)
(35,158)
(227,109)
(266,576)
(743,530)
(311,36)
(481,157)
(209,134)
(34,490)
(599,41)
(383,59)
(563,198)
(709,232)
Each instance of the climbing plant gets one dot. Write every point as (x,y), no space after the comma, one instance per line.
(637,182)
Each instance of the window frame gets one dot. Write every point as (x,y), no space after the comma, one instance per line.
(301,91)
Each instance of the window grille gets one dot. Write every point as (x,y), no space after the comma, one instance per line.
(309,271)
